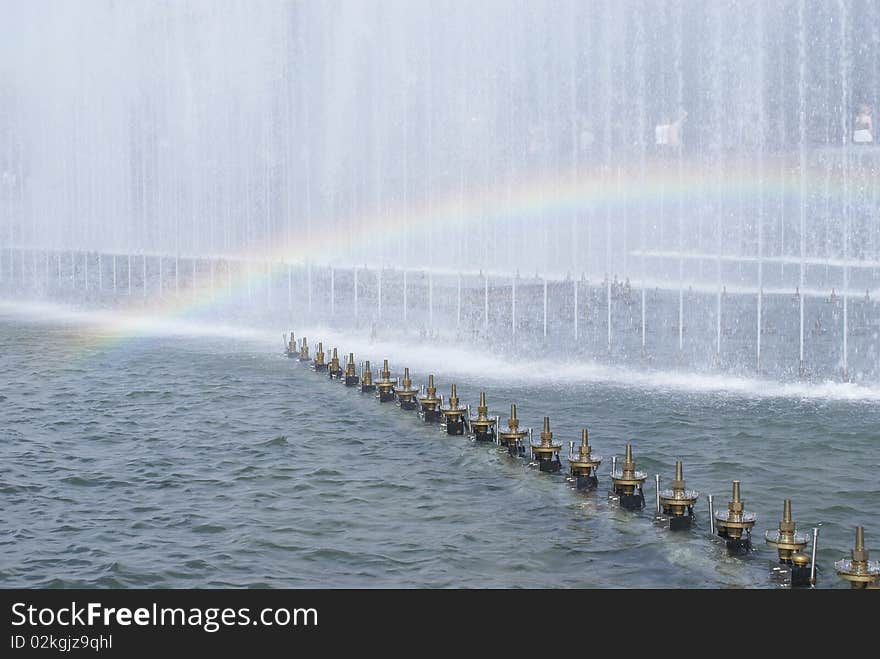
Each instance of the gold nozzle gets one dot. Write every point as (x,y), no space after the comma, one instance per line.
(860,572)
(386,373)
(483,412)
(678,481)
(585,449)
(787,526)
(334,361)
(629,467)
(407,382)
(431,390)
(736,505)
(368,374)
(513,422)
(319,354)
(859,553)
(786,540)
(546,435)
(453,399)
(349,368)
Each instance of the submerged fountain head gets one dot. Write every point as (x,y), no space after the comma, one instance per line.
(513,436)
(406,395)
(546,450)
(367,379)
(858,569)
(678,501)
(334,369)
(319,364)
(351,376)
(735,524)
(304,351)
(786,539)
(627,482)
(430,403)
(483,427)
(385,384)
(454,415)
(583,465)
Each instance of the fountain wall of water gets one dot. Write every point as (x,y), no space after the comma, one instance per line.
(672,181)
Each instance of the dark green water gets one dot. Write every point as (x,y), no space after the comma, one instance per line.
(186,461)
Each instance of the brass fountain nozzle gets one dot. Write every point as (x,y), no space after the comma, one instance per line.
(678,501)
(627,482)
(546,435)
(351,376)
(368,374)
(453,399)
(786,539)
(454,415)
(732,522)
(291,345)
(513,435)
(545,450)
(319,355)
(334,368)
(513,422)
(406,395)
(385,384)
(304,351)
(430,399)
(584,463)
(482,426)
(859,570)
(429,404)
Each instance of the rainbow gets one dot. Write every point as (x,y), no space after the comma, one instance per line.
(507,203)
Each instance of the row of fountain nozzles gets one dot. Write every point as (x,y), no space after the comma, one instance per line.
(677,502)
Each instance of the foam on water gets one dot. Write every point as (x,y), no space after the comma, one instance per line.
(453,360)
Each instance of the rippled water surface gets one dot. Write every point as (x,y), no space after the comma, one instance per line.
(187,461)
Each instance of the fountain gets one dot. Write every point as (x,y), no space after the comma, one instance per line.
(511,439)
(735,187)
(454,417)
(351,376)
(634,193)
(406,394)
(430,403)
(584,463)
